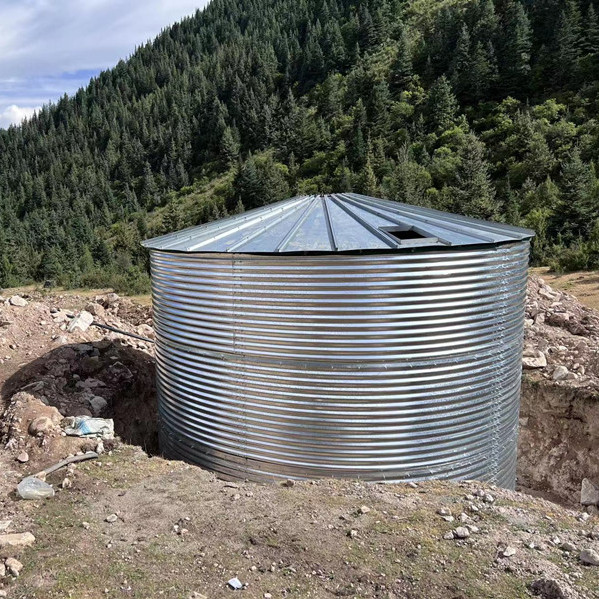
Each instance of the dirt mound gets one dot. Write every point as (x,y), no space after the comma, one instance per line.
(561,337)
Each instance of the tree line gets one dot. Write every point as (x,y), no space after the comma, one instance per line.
(483,107)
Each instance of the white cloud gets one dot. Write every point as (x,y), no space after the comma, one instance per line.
(13,114)
(48,47)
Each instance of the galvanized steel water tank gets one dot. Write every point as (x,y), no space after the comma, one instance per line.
(341,336)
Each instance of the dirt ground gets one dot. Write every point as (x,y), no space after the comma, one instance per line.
(583,285)
(179,532)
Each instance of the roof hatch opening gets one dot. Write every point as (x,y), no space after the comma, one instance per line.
(404,234)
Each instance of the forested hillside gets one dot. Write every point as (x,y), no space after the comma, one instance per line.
(485,107)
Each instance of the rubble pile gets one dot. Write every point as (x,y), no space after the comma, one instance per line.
(561,337)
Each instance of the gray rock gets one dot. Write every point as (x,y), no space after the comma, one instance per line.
(82,321)
(508,551)
(23,457)
(560,373)
(2,569)
(589,557)
(461,532)
(549,588)
(111,519)
(14,566)
(448,536)
(17,300)
(589,493)
(534,358)
(364,509)
(97,404)
(568,547)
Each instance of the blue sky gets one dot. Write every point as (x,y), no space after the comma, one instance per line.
(49,47)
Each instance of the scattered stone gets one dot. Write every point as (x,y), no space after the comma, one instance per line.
(444,512)
(111,519)
(3,593)
(235,584)
(352,534)
(560,373)
(85,525)
(461,532)
(534,358)
(97,404)
(448,536)
(589,557)
(2,569)
(5,525)
(488,498)
(17,300)
(267,596)
(364,509)
(568,547)
(508,551)
(82,321)
(66,483)
(589,493)
(549,588)
(23,457)
(16,540)
(289,483)
(14,566)
(41,426)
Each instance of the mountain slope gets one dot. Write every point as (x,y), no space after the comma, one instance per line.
(486,107)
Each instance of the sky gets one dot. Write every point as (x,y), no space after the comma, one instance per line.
(52,47)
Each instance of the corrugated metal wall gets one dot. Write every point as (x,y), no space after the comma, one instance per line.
(383,367)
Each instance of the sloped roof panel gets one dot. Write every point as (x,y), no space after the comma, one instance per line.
(336,223)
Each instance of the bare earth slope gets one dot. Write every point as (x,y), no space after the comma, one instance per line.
(176,531)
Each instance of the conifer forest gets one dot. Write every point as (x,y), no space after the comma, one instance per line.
(488,108)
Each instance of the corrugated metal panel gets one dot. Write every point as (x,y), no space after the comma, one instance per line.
(335,223)
(380,367)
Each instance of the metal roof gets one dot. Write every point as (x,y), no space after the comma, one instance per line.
(344,222)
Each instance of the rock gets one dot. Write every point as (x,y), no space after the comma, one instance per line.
(352,534)
(17,300)
(66,483)
(41,426)
(2,569)
(589,557)
(16,540)
(82,321)
(488,498)
(364,509)
(461,532)
(508,551)
(534,359)
(560,373)
(568,547)
(5,525)
(444,511)
(289,483)
(96,309)
(448,536)
(14,566)
(111,519)
(23,457)
(589,493)
(3,593)
(549,588)
(97,404)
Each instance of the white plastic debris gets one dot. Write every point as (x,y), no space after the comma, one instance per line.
(235,584)
(86,426)
(34,488)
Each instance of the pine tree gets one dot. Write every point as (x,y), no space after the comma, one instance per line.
(442,106)
(474,193)
(461,66)
(402,68)
(229,147)
(514,48)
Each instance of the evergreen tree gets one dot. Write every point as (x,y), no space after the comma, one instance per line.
(402,68)
(474,193)
(442,106)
